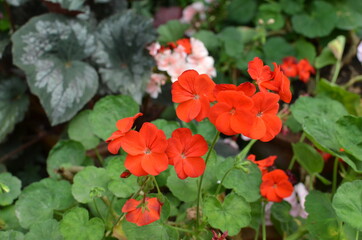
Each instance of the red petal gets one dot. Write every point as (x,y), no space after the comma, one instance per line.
(130,205)
(154,163)
(133,164)
(115,145)
(258,71)
(154,138)
(188,110)
(223,124)
(133,143)
(257,129)
(273,127)
(194,167)
(115,135)
(180,94)
(247,88)
(125,124)
(196,146)
(284,189)
(187,80)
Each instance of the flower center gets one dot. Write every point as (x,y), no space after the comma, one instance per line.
(196,97)
(232,111)
(147,151)
(259,114)
(183,155)
(275,186)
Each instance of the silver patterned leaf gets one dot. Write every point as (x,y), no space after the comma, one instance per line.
(50,49)
(125,64)
(69,4)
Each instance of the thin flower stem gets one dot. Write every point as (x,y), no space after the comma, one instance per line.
(337,68)
(357,234)
(263,220)
(292,162)
(180,229)
(335,170)
(257,233)
(222,180)
(156,184)
(100,159)
(246,149)
(200,183)
(97,209)
(352,81)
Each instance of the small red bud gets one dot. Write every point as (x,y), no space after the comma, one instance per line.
(125,174)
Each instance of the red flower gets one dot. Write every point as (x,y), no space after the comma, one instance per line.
(124,126)
(193,92)
(280,84)
(259,72)
(146,151)
(265,123)
(184,152)
(247,88)
(185,42)
(231,114)
(142,212)
(218,236)
(289,66)
(264,163)
(275,186)
(305,69)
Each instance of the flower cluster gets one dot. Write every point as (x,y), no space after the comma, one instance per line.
(177,57)
(302,69)
(236,109)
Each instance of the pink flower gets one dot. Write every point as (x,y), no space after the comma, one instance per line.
(190,11)
(177,69)
(198,49)
(359,52)
(297,200)
(167,59)
(153,48)
(155,83)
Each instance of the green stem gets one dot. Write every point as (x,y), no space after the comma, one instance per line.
(292,162)
(352,81)
(156,184)
(263,220)
(97,209)
(323,179)
(222,180)
(98,156)
(357,234)
(241,156)
(335,170)
(337,68)
(257,233)
(200,183)
(180,229)
(311,182)
(298,235)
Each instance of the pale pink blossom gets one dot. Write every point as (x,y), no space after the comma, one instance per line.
(190,11)
(297,200)
(204,65)
(198,49)
(153,48)
(167,59)
(231,143)
(155,83)
(359,52)
(177,69)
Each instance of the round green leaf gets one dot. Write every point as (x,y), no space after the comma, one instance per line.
(347,202)
(120,187)
(11,235)
(322,220)
(49,48)
(208,38)
(308,157)
(245,184)
(88,180)
(319,22)
(154,230)
(306,50)
(13,184)
(171,31)
(231,215)
(108,111)
(273,52)
(232,41)
(65,153)
(167,126)
(241,11)
(185,190)
(38,201)
(350,132)
(8,219)
(125,64)
(48,229)
(76,225)
(292,7)
(271,16)
(78,130)
(13,104)
(349,14)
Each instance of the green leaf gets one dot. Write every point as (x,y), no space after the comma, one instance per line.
(325,58)
(255,213)
(38,201)
(293,124)
(13,184)
(11,235)
(171,31)
(292,7)
(306,50)
(349,129)
(273,52)
(208,38)
(280,211)
(322,220)
(78,130)
(76,225)
(125,64)
(185,190)
(232,41)
(245,184)
(88,180)
(50,49)
(108,111)
(154,230)
(348,205)
(65,153)
(349,14)
(319,22)
(8,219)
(271,16)
(350,100)
(308,157)
(231,215)
(120,187)
(48,229)
(13,104)
(241,11)
(167,126)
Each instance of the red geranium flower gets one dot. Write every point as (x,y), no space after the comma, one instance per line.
(185,42)
(265,123)
(305,69)
(184,152)
(289,66)
(264,163)
(259,72)
(193,92)
(276,186)
(146,151)
(232,112)
(124,126)
(247,88)
(142,212)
